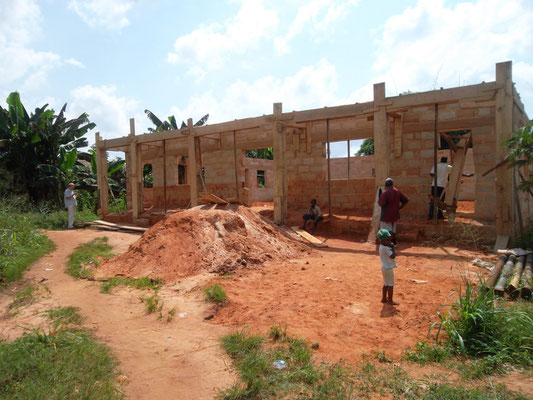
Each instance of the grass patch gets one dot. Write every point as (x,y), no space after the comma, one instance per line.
(152,303)
(58,220)
(87,254)
(64,316)
(67,364)
(424,353)
(478,325)
(448,392)
(137,283)
(24,297)
(215,294)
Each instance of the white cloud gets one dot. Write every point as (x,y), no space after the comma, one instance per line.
(312,86)
(314,16)
(108,14)
(109,111)
(209,47)
(431,45)
(74,62)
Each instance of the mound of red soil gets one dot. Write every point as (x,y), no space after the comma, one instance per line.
(203,239)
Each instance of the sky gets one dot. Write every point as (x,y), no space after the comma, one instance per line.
(234,58)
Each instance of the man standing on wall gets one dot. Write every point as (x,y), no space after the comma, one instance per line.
(391,202)
(70,204)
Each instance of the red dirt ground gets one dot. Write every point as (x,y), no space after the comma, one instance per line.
(333,297)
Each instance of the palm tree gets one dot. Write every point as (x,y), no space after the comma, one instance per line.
(171,124)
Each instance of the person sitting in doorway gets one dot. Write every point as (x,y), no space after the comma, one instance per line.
(315,214)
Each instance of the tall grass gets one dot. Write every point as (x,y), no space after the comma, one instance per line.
(20,242)
(477,324)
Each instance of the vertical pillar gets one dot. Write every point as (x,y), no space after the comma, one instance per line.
(133,179)
(192,163)
(504,131)
(381,152)
(329,168)
(101,171)
(165,175)
(280,168)
(237,195)
(140,186)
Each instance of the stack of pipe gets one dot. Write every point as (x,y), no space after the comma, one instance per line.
(512,275)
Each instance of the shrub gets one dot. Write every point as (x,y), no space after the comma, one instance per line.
(215,294)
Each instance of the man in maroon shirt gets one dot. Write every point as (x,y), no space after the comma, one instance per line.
(391,202)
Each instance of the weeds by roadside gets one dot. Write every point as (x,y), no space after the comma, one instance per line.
(64,316)
(137,283)
(87,254)
(215,294)
(24,297)
(152,303)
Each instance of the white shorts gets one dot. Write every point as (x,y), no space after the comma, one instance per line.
(388,276)
(390,226)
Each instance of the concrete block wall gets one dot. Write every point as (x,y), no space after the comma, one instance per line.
(251,166)
(220,172)
(360,167)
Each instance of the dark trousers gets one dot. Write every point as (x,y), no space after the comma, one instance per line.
(312,216)
(440,215)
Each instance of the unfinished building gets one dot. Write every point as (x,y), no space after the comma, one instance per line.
(410,131)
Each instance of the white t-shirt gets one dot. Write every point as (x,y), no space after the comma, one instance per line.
(442,174)
(386,261)
(72,201)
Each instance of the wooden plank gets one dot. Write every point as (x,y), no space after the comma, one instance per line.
(310,238)
(503,131)
(501,242)
(235,166)
(398,128)
(458,164)
(212,198)
(118,226)
(102,177)
(308,137)
(280,168)
(233,200)
(192,165)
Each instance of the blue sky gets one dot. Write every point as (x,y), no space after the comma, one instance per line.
(234,58)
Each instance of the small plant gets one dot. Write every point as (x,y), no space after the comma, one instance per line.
(424,353)
(380,355)
(215,294)
(88,254)
(277,332)
(24,297)
(64,316)
(152,303)
(137,283)
(171,313)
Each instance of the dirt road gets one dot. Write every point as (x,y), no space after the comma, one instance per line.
(180,359)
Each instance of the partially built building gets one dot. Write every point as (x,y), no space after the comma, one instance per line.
(467,123)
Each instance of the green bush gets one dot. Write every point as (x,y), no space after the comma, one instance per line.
(215,294)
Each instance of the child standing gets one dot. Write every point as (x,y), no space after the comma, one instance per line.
(387,252)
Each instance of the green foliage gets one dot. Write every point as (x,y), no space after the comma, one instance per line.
(24,297)
(87,254)
(524,241)
(64,316)
(215,294)
(137,283)
(424,353)
(478,325)
(448,392)
(366,149)
(67,364)
(39,150)
(171,124)
(152,303)
(266,153)
(20,242)
(521,152)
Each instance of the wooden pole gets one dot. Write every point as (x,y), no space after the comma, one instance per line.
(499,289)
(503,123)
(495,274)
(99,181)
(435,169)
(235,163)
(329,167)
(348,159)
(527,277)
(133,170)
(518,205)
(280,168)
(165,174)
(512,289)
(192,167)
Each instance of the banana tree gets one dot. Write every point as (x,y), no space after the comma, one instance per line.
(171,124)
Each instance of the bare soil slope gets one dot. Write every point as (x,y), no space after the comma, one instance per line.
(203,239)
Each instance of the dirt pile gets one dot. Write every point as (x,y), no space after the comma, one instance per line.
(203,239)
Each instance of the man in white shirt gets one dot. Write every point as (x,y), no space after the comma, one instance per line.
(443,170)
(70,204)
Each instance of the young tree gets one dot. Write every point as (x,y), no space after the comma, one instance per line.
(366,149)
(521,152)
